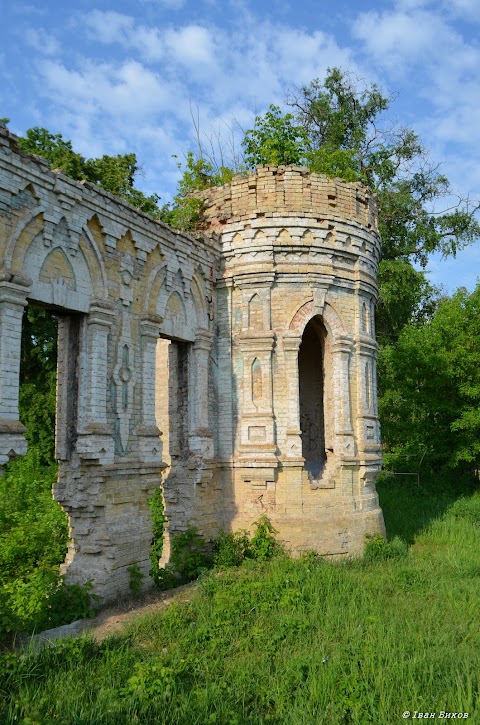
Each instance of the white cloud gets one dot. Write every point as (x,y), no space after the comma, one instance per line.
(400,38)
(110,27)
(255,61)
(423,48)
(463,9)
(190,45)
(169,4)
(128,89)
(146,103)
(42,41)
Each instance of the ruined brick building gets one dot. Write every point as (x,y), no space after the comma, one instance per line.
(235,367)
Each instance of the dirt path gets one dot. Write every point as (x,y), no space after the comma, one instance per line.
(113,618)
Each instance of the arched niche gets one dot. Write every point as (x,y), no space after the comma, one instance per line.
(67,272)
(260,237)
(315,396)
(255,312)
(175,321)
(284,237)
(320,329)
(58,279)
(307,238)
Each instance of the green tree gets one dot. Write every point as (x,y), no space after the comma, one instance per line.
(275,139)
(199,174)
(405,296)
(431,386)
(339,129)
(38,377)
(115,174)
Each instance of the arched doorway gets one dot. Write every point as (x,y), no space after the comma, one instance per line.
(312,374)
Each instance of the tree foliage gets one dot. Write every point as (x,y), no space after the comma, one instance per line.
(405,296)
(199,174)
(38,376)
(430,384)
(338,129)
(275,139)
(115,174)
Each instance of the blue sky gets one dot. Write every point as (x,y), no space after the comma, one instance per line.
(141,75)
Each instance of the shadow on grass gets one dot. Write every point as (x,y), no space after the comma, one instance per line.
(408,508)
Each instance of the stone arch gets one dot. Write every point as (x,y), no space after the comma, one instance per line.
(315,393)
(332,320)
(91,252)
(48,252)
(16,233)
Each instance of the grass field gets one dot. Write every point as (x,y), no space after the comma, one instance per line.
(289,641)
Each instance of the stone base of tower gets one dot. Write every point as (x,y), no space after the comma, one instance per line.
(332,520)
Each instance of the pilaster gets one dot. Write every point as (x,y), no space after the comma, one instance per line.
(95,435)
(344,438)
(13,299)
(149,436)
(293,454)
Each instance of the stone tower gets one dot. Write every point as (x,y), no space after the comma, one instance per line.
(298,432)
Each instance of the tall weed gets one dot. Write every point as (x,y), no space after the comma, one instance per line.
(33,543)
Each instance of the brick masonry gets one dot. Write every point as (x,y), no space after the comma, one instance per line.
(198,337)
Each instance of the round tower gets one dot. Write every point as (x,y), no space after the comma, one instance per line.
(299,437)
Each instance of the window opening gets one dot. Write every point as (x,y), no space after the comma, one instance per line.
(312,397)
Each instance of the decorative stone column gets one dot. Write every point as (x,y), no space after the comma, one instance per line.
(95,435)
(344,438)
(293,454)
(149,436)
(368,428)
(13,299)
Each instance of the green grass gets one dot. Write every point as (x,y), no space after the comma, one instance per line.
(287,641)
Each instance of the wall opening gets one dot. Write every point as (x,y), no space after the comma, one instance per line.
(38,383)
(172,416)
(30,514)
(171,398)
(313,407)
